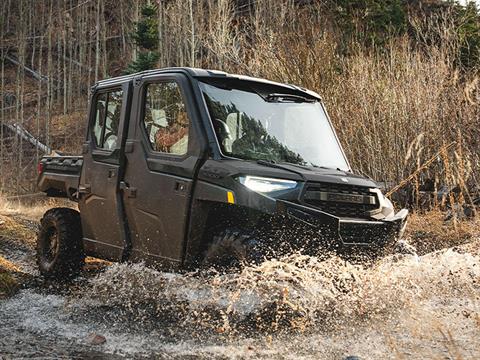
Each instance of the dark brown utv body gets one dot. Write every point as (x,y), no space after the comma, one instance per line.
(189,203)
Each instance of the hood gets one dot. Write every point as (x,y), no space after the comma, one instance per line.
(217,170)
(336,176)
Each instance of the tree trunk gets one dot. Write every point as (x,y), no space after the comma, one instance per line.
(192,36)
(48,106)
(97,41)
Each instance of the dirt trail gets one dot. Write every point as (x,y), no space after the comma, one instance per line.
(401,307)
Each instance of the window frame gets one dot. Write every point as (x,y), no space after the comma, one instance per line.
(93,117)
(143,129)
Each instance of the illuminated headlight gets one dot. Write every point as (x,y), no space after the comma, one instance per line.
(266,185)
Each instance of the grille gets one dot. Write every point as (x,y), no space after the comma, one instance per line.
(345,200)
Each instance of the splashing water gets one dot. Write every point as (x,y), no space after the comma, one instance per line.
(296,295)
(297,306)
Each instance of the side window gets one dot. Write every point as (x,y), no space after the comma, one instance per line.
(99,118)
(107,119)
(165,118)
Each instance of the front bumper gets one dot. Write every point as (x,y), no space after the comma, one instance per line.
(347,233)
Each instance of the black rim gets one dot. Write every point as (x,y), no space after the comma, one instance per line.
(51,244)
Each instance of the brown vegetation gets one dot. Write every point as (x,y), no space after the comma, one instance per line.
(11,274)
(430,232)
(8,284)
(395,107)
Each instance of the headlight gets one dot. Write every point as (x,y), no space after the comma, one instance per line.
(266,185)
(386,207)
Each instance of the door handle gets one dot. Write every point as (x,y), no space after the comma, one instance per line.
(85,189)
(130,191)
(181,186)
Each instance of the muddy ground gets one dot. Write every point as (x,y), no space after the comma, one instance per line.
(403,306)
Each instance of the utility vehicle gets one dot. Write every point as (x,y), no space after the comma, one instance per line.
(187,167)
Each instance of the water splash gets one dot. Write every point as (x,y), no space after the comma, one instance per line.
(298,306)
(294,294)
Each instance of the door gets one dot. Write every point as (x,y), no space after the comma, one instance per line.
(100,201)
(162,153)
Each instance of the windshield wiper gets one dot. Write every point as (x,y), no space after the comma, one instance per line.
(275,97)
(323,167)
(326,167)
(301,166)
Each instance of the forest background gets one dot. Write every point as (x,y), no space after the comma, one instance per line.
(400,78)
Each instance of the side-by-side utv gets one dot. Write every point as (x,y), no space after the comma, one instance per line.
(186,167)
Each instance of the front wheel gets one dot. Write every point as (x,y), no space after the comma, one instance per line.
(59,244)
(232,248)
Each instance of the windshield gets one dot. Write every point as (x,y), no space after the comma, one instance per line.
(257,125)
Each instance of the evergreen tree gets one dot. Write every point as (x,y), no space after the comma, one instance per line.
(146,38)
(468,22)
(371,22)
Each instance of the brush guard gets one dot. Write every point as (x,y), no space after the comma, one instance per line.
(347,233)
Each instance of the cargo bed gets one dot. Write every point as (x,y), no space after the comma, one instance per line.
(59,176)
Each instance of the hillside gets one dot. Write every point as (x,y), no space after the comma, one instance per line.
(400,78)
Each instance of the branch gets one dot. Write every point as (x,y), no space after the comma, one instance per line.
(32,72)
(424,166)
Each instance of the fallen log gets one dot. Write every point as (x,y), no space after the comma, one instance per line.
(32,72)
(22,132)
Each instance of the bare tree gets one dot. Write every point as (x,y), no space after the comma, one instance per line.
(97,39)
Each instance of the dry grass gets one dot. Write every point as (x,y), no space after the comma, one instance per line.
(13,234)
(430,232)
(8,284)
(31,208)
(7,266)
(9,278)
(16,235)
(12,230)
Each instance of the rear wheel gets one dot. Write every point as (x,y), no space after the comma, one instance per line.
(59,244)
(232,248)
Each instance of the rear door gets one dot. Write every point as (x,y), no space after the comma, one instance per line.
(162,151)
(100,203)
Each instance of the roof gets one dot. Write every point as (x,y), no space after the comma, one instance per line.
(200,73)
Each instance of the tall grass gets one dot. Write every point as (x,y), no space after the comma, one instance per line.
(394,108)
